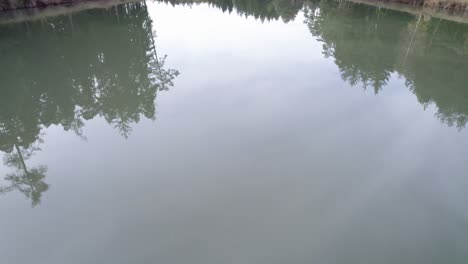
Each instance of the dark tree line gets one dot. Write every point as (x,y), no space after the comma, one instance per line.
(259,9)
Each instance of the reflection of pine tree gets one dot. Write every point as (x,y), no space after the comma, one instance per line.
(356,36)
(105,64)
(30,182)
(260,9)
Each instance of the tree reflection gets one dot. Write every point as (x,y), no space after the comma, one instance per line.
(369,44)
(103,63)
(361,40)
(30,181)
(260,9)
(68,69)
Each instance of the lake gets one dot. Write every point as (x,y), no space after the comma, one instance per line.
(234,132)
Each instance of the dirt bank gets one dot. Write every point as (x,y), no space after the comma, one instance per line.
(427,10)
(453,5)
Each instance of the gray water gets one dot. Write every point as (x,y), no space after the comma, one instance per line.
(234,132)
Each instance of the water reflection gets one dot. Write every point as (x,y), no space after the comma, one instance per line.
(368,44)
(430,54)
(29,181)
(264,10)
(69,69)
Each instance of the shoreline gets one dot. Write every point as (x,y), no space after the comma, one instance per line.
(453,10)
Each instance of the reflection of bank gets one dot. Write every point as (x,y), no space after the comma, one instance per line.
(29,181)
(100,63)
(30,14)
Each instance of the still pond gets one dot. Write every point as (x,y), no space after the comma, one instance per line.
(219,131)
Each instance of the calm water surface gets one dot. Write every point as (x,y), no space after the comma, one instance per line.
(234,132)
